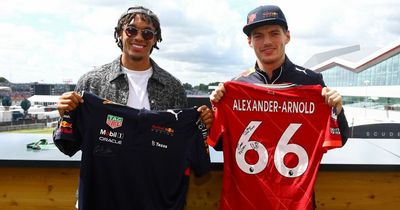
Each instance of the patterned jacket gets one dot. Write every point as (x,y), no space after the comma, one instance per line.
(109,81)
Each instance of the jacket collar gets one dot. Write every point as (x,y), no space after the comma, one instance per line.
(159,74)
(286,66)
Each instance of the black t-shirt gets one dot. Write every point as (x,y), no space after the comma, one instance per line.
(133,159)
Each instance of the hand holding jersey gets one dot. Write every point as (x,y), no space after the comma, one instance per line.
(68,102)
(332,98)
(206,115)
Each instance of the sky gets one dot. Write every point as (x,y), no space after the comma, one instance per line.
(57,41)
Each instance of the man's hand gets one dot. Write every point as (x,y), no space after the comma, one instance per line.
(206,116)
(218,93)
(68,102)
(333,99)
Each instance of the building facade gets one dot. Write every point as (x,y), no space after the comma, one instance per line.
(369,81)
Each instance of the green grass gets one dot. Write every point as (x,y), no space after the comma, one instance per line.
(39,131)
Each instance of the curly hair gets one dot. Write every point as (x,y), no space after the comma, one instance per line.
(146,15)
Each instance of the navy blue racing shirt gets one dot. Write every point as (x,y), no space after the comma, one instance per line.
(131,158)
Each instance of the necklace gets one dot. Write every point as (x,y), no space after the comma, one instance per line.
(280,73)
(265,79)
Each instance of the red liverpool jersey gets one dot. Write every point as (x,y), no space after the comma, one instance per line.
(274,138)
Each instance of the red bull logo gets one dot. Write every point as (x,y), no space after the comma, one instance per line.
(162,129)
(65,124)
(251,18)
(270,14)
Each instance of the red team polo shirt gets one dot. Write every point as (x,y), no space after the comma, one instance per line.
(274,138)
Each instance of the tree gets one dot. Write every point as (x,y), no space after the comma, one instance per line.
(201,87)
(214,84)
(25,105)
(187,86)
(3,80)
(6,101)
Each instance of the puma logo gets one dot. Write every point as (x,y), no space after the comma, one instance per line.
(174,113)
(302,70)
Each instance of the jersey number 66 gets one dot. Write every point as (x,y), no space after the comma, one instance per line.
(282,149)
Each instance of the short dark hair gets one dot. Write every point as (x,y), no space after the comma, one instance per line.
(144,14)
